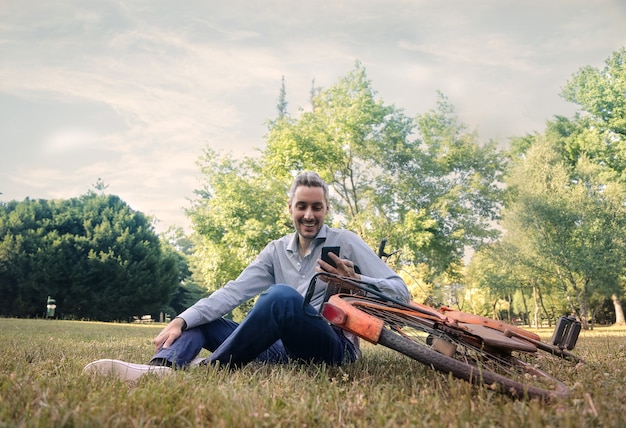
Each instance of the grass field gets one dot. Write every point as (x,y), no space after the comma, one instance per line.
(41,386)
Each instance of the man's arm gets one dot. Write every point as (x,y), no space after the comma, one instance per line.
(372,269)
(252,281)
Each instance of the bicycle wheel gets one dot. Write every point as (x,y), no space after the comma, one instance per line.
(453,351)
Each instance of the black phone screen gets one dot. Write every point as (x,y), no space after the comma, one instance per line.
(326,257)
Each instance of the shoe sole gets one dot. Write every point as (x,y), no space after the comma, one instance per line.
(123,370)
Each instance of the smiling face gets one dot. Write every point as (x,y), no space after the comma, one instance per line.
(308,208)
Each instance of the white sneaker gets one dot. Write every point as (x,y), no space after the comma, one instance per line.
(123,370)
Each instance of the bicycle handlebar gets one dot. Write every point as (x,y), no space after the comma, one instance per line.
(381,248)
(355,284)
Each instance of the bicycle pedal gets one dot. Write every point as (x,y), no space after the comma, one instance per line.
(566,333)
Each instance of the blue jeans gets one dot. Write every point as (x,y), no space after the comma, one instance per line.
(276,330)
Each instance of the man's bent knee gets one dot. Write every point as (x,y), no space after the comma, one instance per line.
(287,298)
(281,292)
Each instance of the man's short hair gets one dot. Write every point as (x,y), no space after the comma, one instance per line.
(309,179)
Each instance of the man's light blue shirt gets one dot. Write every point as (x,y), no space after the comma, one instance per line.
(280,263)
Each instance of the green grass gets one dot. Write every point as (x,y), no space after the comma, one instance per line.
(41,386)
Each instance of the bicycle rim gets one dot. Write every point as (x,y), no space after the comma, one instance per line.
(463,355)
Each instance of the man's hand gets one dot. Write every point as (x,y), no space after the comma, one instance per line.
(344,267)
(169,334)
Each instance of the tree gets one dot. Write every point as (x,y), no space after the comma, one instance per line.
(598,131)
(235,214)
(282,100)
(339,139)
(566,219)
(456,181)
(511,272)
(178,245)
(600,95)
(97,257)
(281,105)
(432,196)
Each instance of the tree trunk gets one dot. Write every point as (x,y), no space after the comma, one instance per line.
(619,312)
(508,310)
(545,311)
(594,312)
(572,308)
(584,310)
(569,279)
(526,314)
(537,307)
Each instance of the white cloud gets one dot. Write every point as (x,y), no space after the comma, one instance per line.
(67,140)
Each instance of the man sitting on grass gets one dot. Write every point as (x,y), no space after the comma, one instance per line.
(278,328)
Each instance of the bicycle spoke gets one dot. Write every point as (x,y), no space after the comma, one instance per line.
(515,371)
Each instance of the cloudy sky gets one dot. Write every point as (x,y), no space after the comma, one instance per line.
(131,91)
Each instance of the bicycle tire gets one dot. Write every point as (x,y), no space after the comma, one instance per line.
(507,374)
(467,372)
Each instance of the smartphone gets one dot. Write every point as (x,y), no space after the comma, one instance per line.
(326,257)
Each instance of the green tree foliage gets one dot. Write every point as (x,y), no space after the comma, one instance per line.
(600,131)
(236,213)
(424,183)
(487,284)
(516,282)
(568,222)
(182,248)
(98,258)
(578,199)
